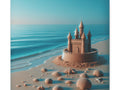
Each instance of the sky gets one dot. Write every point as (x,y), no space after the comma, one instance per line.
(59,11)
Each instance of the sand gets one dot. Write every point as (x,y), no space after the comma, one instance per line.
(26,77)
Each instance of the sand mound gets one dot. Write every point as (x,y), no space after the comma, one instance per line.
(83,75)
(57,88)
(68,82)
(40,88)
(43,70)
(83,84)
(60,78)
(97,73)
(70,71)
(56,74)
(48,81)
(35,80)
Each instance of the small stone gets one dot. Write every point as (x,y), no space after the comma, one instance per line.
(25,85)
(99,80)
(87,69)
(18,85)
(48,81)
(68,82)
(23,81)
(83,75)
(43,70)
(83,84)
(35,80)
(40,88)
(57,88)
(56,74)
(70,71)
(60,78)
(97,73)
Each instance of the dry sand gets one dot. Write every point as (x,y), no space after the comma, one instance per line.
(26,77)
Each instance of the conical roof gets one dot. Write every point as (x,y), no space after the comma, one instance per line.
(76,31)
(81,24)
(89,34)
(69,36)
(83,35)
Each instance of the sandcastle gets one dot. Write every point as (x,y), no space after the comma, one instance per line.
(79,49)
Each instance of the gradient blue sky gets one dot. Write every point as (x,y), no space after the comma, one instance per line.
(59,11)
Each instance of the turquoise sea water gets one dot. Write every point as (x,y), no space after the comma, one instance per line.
(31,45)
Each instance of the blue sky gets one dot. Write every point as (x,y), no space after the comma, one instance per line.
(59,11)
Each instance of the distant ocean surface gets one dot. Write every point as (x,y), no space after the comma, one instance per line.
(31,45)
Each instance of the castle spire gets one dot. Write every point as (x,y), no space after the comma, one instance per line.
(81,27)
(69,36)
(76,33)
(81,24)
(83,43)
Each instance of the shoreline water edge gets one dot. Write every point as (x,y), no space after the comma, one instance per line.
(26,77)
(29,61)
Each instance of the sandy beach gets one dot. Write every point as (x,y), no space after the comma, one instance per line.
(19,78)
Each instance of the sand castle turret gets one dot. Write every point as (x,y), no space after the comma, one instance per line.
(69,42)
(76,33)
(83,43)
(81,27)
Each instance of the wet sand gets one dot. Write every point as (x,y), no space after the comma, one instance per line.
(27,76)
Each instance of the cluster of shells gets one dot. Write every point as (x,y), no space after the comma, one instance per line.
(70,71)
(82,83)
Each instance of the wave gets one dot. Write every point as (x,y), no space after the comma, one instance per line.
(40,53)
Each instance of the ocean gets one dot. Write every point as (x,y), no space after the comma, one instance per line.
(32,45)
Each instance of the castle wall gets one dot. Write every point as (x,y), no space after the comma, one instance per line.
(79,58)
(76,45)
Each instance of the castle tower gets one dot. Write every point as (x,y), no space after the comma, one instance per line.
(81,27)
(76,33)
(83,43)
(89,41)
(69,42)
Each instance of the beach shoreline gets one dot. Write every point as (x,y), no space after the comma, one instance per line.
(35,72)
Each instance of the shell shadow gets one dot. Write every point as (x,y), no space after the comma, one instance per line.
(57,82)
(68,79)
(50,70)
(67,88)
(100,87)
(79,72)
(41,79)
